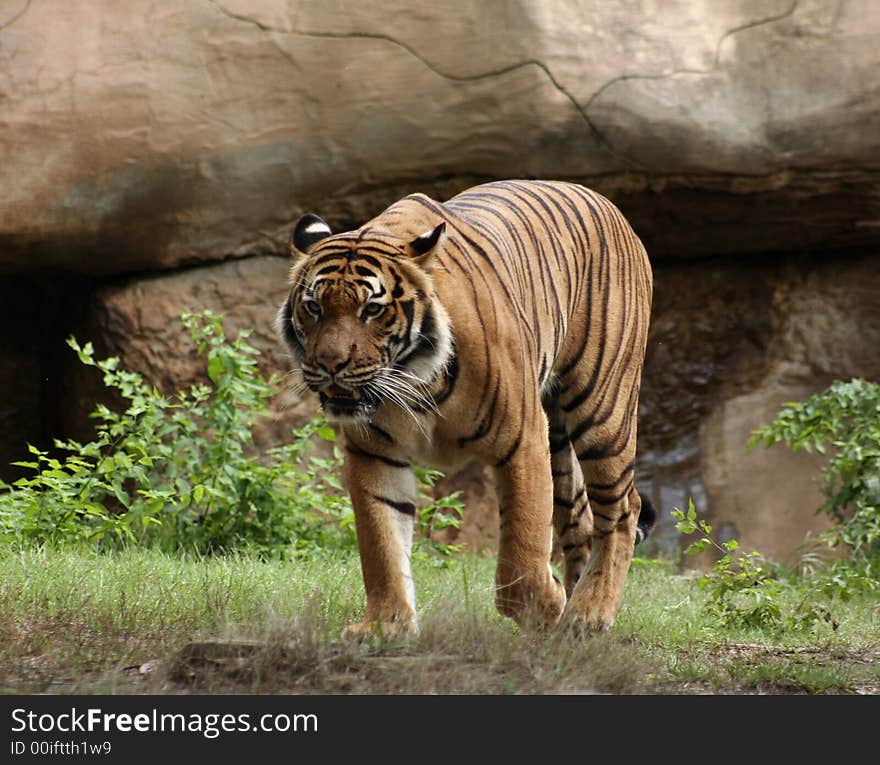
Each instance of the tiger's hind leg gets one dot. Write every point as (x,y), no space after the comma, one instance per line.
(596,601)
(572,518)
(607,459)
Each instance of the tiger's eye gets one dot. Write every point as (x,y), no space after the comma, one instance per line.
(312,307)
(372,310)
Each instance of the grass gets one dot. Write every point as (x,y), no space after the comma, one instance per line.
(140,621)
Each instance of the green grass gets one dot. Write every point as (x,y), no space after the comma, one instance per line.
(73,621)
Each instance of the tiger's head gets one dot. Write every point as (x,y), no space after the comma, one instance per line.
(362,320)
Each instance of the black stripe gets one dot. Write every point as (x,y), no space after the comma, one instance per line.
(380,432)
(369,455)
(601,452)
(598,284)
(488,418)
(376,248)
(613,499)
(408,308)
(613,484)
(338,255)
(506,458)
(363,256)
(407,508)
(429,324)
(397,292)
(450,377)
(557,444)
(427,339)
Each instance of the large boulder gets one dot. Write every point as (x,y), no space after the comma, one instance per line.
(143,137)
(827,319)
(139,136)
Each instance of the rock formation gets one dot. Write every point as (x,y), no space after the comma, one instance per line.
(155,156)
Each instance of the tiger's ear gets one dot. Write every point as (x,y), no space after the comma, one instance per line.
(308,231)
(422,248)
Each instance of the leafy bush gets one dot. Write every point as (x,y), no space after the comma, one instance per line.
(435,516)
(179,472)
(845,421)
(745,590)
(741,590)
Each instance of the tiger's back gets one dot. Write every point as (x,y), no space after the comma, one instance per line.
(547,295)
(542,281)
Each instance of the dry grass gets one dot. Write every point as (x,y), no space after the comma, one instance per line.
(140,622)
(451,654)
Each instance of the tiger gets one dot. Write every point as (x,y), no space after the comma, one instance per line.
(505,326)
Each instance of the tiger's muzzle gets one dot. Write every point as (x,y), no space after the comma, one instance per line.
(343,404)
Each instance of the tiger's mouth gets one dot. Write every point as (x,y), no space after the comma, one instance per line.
(343,404)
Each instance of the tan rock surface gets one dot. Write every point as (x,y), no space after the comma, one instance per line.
(829,328)
(145,135)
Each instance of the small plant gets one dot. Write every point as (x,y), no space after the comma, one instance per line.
(843,421)
(435,515)
(742,592)
(747,591)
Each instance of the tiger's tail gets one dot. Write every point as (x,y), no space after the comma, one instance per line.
(647,519)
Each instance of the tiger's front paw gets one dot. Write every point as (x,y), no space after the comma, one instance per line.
(537,607)
(587,613)
(586,624)
(370,630)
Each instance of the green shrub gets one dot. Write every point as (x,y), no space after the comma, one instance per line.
(843,421)
(435,515)
(747,591)
(180,473)
(742,591)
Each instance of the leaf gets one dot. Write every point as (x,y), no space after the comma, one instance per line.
(696,547)
(326,433)
(215,368)
(686,527)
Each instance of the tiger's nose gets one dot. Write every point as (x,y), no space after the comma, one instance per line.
(332,363)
